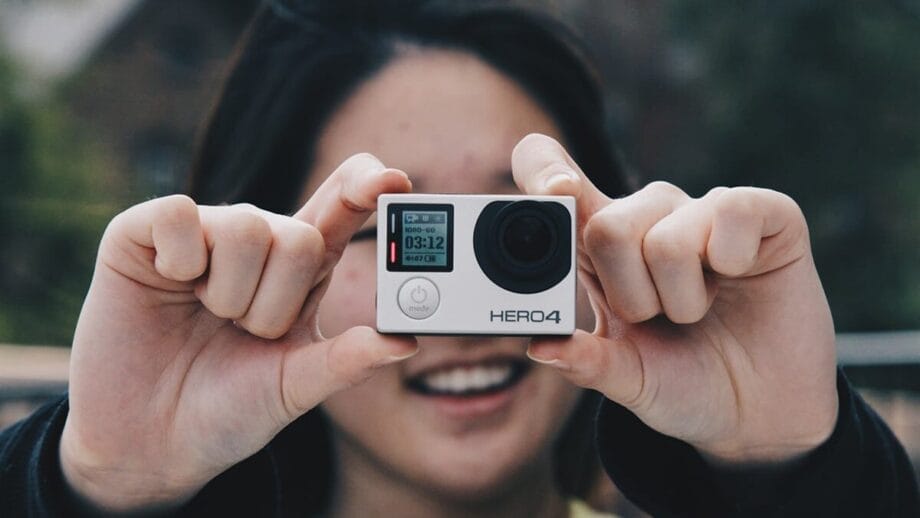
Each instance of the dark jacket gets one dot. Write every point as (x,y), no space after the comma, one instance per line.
(861,470)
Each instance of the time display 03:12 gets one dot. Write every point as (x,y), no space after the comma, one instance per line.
(424,238)
(420,237)
(424,244)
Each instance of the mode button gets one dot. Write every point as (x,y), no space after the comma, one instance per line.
(418,298)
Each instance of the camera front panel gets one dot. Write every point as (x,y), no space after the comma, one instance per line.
(475,264)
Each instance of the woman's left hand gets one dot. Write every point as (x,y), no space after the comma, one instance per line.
(711,322)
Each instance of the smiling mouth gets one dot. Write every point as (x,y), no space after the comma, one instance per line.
(469,380)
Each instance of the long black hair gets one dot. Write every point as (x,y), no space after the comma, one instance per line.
(299,60)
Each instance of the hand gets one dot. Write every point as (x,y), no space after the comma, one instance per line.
(198,339)
(711,322)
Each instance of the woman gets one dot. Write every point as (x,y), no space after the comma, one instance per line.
(225,357)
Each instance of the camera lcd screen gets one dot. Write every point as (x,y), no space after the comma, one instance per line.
(420,237)
(424,238)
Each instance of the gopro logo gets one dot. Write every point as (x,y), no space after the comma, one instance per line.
(523,315)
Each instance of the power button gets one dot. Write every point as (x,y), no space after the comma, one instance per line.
(418,298)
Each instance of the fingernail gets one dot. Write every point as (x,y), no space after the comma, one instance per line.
(398,172)
(394,358)
(552,362)
(560,176)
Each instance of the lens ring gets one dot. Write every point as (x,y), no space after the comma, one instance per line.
(535,271)
(526,238)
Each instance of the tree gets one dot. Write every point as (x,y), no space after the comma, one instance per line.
(56,195)
(821,100)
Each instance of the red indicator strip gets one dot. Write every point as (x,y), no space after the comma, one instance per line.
(393,252)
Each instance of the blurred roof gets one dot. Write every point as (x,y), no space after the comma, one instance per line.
(53,38)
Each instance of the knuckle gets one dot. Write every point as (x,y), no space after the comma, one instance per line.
(245,207)
(314,242)
(736,203)
(633,314)
(319,250)
(660,188)
(248,228)
(302,245)
(226,307)
(661,245)
(269,329)
(786,207)
(686,313)
(716,191)
(790,205)
(729,262)
(116,226)
(609,227)
(175,210)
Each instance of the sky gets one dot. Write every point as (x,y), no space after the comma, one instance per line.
(51,38)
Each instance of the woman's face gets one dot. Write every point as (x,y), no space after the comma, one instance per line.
(450,122)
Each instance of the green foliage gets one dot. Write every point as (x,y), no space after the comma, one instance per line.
(55,199)
(821,100)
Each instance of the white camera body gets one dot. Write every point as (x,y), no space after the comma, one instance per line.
(476,264)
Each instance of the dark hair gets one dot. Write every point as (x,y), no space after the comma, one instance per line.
(299,60)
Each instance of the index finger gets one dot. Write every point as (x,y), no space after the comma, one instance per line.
(348,197)
(541,166)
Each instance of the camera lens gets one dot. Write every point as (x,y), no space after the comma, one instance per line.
(524,246)
(526,238)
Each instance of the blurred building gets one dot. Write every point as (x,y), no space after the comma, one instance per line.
(150,82)
(138,74)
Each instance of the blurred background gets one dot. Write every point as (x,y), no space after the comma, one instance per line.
(100,101)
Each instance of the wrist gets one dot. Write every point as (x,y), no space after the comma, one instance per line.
(773,447)
(116,490)
(757,456)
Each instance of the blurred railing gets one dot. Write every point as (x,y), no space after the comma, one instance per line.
(29,376)
(888,348)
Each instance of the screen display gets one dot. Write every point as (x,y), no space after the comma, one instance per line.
(420,237)
(424,238)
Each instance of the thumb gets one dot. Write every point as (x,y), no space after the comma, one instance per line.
(611,367)
(312,372)
(541,166)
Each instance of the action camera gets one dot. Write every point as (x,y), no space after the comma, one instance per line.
(475,264)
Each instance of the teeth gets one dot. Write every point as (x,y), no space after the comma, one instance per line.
(465,379)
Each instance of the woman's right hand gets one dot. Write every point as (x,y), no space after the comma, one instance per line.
(198,339)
